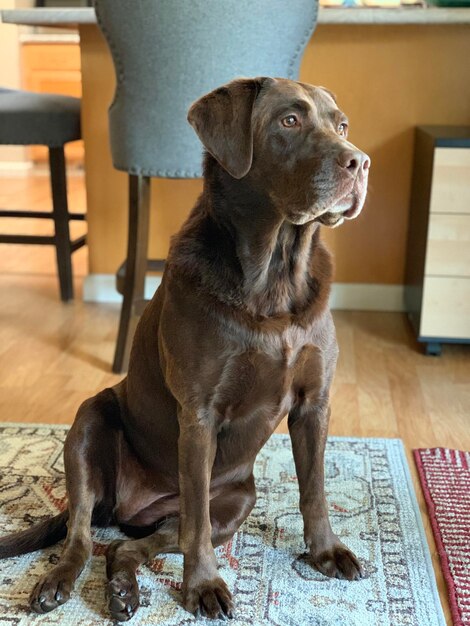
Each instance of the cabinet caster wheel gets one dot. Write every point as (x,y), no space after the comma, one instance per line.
(433,349)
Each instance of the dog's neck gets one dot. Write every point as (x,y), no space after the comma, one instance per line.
(274,256)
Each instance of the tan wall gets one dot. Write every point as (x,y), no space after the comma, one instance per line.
(387,78)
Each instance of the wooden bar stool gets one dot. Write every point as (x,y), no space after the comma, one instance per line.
(45,119)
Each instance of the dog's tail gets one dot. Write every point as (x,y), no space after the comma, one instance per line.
(41,535)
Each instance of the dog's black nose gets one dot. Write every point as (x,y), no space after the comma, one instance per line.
(353,161)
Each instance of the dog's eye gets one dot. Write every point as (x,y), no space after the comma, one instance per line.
(343,128)
(289,121)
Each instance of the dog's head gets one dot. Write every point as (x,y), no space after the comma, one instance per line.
(290,138)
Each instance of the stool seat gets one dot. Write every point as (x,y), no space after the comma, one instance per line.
(28,118)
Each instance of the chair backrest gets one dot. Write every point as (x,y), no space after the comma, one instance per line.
(168,53)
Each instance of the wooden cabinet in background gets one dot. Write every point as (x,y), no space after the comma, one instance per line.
(53,67)
(437,290)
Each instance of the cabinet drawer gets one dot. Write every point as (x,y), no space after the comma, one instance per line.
(446,308)
(51,56)
(451,181)
(448,250)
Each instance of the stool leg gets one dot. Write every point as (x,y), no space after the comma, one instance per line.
(136,266)
(61,222)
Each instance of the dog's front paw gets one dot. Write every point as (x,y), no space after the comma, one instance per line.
(52,590)
(337,562)
(123,596)
(210,598)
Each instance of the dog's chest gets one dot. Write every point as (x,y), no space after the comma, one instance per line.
(266,384)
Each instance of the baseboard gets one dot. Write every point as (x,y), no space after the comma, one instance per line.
(367,297)
(18,169)
(102,288)
(15,168)
(344,296)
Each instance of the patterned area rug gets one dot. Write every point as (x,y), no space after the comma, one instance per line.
(373,509)
(445,479)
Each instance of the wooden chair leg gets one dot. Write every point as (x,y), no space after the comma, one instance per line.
(61,222)
(136,265)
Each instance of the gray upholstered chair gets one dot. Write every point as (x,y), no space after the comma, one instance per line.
(168,53)
(28,118)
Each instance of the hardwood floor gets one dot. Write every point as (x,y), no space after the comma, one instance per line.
(53,356)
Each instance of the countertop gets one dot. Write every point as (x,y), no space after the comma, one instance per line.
(405,15)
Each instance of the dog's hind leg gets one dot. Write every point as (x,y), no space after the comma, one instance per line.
(90,483)
(228,511)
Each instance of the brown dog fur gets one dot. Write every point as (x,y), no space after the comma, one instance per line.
(238,335)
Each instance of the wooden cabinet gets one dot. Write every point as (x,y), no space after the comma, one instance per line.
(437,291)
(54,67)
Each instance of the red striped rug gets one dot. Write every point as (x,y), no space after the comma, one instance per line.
(445,480)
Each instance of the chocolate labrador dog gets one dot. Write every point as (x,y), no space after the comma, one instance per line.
(238,335)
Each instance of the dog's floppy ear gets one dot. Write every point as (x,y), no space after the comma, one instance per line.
(222,121)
